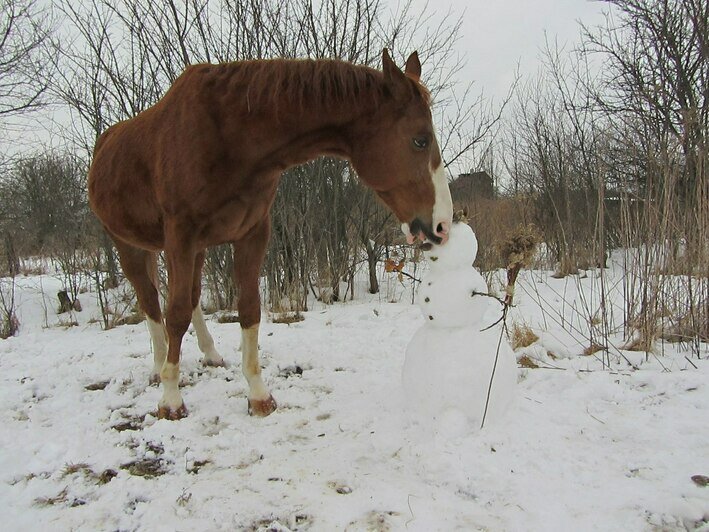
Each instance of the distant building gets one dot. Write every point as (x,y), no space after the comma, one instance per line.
(468,187)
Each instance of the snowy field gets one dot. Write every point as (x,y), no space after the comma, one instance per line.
(584,447)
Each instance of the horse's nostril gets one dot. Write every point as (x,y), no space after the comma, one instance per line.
(442,228)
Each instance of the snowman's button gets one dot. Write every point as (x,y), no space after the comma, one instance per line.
(427,299)
(430,318)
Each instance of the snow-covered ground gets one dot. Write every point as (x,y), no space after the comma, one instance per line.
(583,447)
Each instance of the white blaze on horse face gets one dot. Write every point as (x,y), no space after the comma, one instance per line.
(443,206)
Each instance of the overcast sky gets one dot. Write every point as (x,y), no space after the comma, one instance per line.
(497,35)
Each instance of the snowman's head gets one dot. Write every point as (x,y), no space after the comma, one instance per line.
(460,251)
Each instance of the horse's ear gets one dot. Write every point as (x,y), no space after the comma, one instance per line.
(413,67)
(394,78)
(388,67)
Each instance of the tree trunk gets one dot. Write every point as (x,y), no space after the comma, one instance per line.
(372,262)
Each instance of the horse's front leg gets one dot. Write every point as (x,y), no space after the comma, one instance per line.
(249,253)
(180,266)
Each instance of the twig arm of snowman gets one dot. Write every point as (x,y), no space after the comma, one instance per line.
(503,302)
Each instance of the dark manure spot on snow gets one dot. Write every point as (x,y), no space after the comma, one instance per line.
(127,425)
(145,467)
(101,385)
(87,471)
(290,371)
(197,465)
(106,476)
(134,422)
(341,488)
(430,318)
(701,480)
(148,466)
(301,519)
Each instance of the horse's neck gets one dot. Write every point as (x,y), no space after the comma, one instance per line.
(328,106)
(313,131)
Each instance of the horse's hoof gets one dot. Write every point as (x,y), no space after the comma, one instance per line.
(165,412)
(262,408)
(154,379)
(214,363)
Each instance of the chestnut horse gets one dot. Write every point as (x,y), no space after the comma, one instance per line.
(201,167)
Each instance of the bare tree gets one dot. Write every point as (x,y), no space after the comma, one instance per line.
(127,53)
(27,58)
(657,74)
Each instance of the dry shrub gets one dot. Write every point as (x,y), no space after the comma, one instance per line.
(59,498)
(288,317)
(693,324)
(527,362)
(518,250)
(592,349)
(228,317)
(519,246)
(33,268)
(134,318)
(493,220)
(522,336)
(640,343)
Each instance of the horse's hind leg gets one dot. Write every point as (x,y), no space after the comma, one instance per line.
(140,267)
(248,257)
(204,339)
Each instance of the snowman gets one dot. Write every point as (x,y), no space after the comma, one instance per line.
(452,358)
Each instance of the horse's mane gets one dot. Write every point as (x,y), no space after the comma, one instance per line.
(297,83)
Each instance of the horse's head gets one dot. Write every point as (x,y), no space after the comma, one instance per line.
(399,158)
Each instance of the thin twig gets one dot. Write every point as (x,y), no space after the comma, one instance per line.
(494,366)
(594,417)
(690,361)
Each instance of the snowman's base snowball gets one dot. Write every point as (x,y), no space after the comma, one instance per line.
(447,372)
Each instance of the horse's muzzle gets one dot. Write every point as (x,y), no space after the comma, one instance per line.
(423,231)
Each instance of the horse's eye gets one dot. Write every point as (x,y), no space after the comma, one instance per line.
(420,143)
